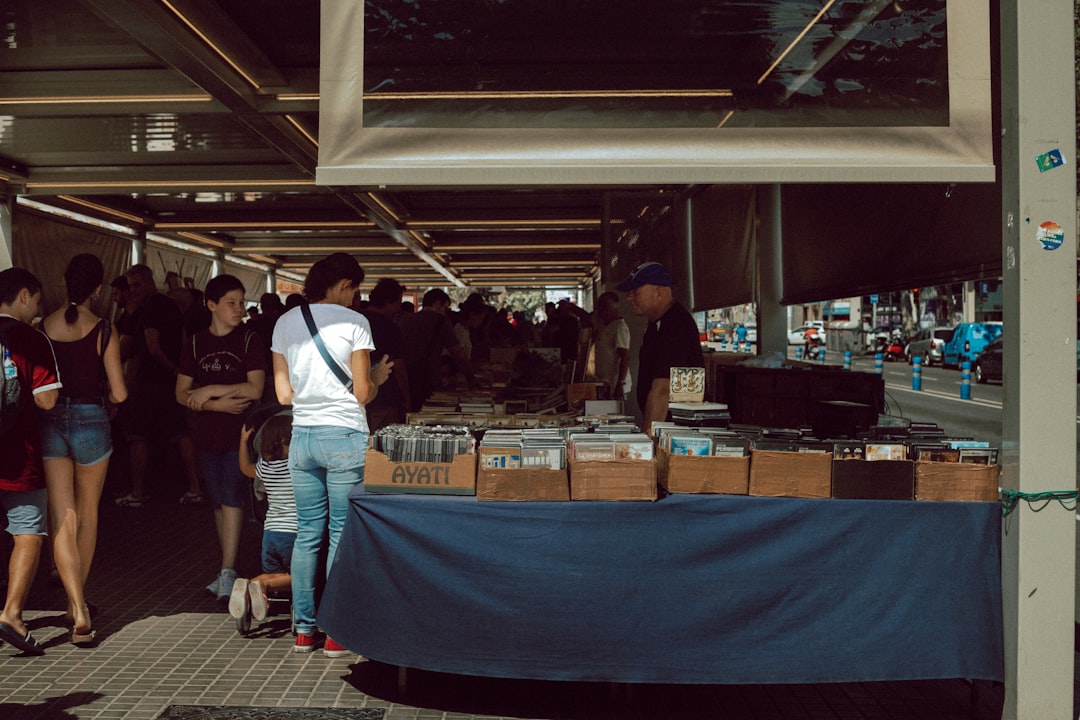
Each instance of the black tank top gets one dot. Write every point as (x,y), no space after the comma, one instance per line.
(81,369)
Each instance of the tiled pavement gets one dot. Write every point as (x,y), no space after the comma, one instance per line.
(164,641)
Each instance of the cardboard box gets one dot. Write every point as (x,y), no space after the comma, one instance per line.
(452,478)
(613,480)
(873,479)
(965,482)
(790,474)
(690,474)
(523,485)
(578,393)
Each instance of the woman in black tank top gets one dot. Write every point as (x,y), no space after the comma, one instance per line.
(76,444)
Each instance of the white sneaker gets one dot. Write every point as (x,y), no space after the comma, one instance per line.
(238,599)
(226,580)
(257,600)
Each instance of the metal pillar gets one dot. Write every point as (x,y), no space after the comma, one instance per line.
(138,249)
(772,317)
(1038,551)
(7,251)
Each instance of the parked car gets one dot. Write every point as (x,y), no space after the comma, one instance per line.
(988,365)
(968,341)
(798,335)
(928,344)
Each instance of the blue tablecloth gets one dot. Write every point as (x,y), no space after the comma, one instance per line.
(690,589)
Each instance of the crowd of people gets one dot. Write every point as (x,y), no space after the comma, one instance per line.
(285,396)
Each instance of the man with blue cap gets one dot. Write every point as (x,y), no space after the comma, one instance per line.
(671,339)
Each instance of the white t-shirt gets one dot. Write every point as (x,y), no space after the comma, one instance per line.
(616,334)
(320,398)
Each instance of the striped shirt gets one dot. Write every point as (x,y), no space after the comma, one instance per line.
(281,513)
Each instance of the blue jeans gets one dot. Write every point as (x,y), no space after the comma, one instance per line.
(326,464)
(80,432)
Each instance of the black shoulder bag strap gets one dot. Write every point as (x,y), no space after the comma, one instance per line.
(334,367)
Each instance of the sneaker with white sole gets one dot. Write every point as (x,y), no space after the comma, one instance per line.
(239,606)
(226,580)
(332,649)
(305,643)
(257,600)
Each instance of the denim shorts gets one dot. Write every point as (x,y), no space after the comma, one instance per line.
(25,511)
(80,432)
(225,484)
(277,551)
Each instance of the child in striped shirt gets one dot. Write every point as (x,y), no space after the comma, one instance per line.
(249,597)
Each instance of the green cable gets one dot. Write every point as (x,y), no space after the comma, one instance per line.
(1038,500)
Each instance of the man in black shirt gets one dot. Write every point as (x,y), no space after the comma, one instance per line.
(151,412)
(389,405)
(671,339)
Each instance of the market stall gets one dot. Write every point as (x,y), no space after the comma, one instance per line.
(688,589)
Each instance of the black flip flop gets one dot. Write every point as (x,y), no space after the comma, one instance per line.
(26,643)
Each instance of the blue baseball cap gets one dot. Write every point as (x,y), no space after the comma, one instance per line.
(647,273)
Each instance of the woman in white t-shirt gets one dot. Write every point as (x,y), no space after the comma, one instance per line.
(330,430)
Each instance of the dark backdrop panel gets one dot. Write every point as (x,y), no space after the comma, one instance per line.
(722,226)
(849,240)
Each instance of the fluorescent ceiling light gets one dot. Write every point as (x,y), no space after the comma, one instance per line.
(526,223)
(257,225)
(103,209)
(302,130)
(522,263)
(544,94)
(203,239)
(210,43)
(317,249)
(451,249)
(144,183)
(103,99)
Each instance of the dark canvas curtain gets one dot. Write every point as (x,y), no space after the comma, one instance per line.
(44,245)
(722,225)
(254,281)
(849,240)
(163,259)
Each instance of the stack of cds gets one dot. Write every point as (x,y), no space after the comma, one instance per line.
(680,440)
(537,448)
(611,446)
(423,443)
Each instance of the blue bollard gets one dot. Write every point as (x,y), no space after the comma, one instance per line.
(879,364)
(916,373)
(798,352)
(965,380)
(821,354)
(847,359)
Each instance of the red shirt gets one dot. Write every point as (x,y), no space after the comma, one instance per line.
(20,452)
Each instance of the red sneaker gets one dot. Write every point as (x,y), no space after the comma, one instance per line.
(305,643)
(333,650)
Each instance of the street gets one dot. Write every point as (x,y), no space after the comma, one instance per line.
(939,400)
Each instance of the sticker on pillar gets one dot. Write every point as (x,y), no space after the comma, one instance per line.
(1050,235)
(1049,160)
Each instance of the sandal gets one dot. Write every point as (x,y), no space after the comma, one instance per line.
(191,498)
(25,643)
(129,501)
(82,639)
